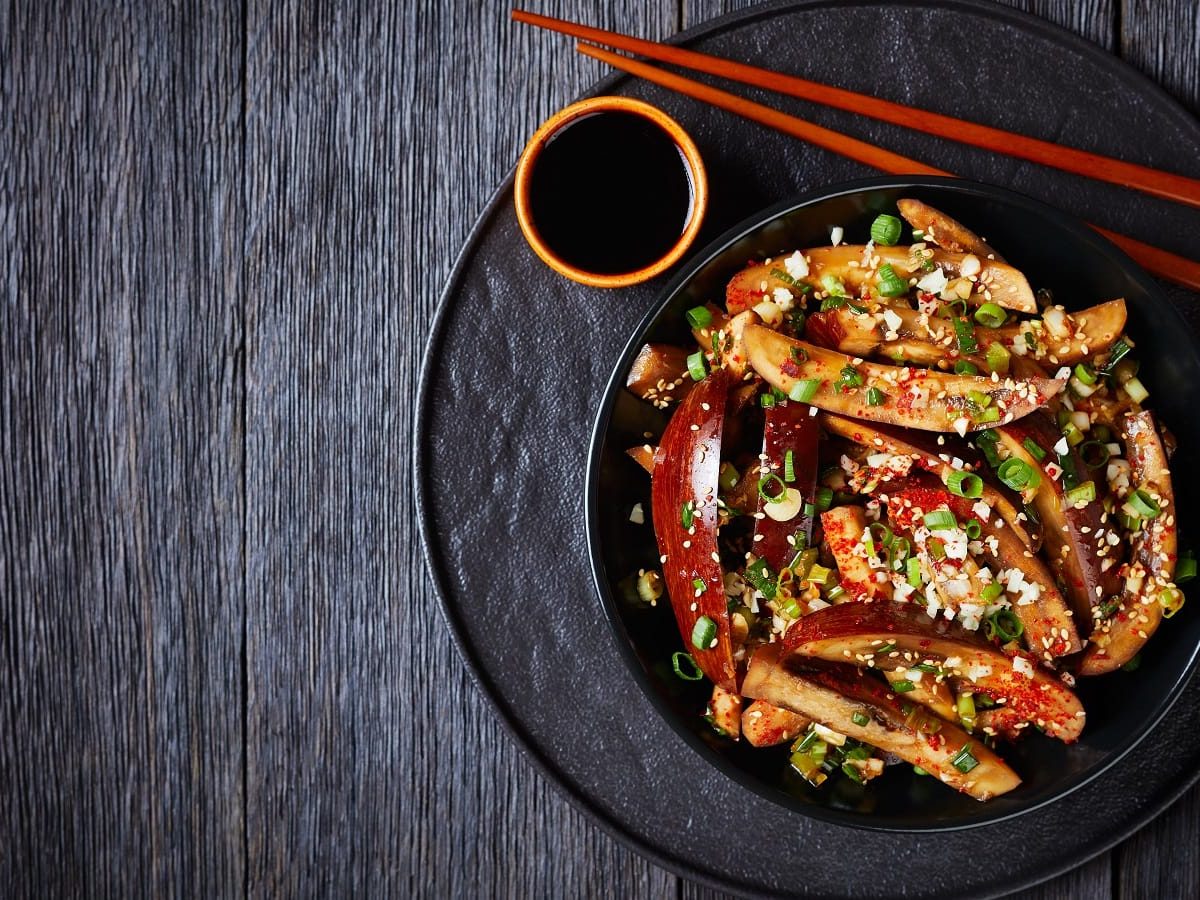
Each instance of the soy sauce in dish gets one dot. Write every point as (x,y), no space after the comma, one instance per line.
(610,193)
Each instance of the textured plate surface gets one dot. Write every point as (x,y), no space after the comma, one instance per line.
(519,358)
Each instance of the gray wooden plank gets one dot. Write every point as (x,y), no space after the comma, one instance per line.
(1163,859)
(120,451)
(374,136)
(1162,39)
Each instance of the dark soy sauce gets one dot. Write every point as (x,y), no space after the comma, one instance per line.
(610,193)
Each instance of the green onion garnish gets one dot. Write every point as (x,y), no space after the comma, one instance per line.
(965,484)
(861,719)
(782,276)
(703,633)
(687,516)
(1018,474)
(903,686)
(966,712)
(998,358)
(1185,570)
(1142,505)
(965,367)
(809,510)
(850,378)
(928,668)
(1119,351)
(804,390)
(964,761)
(991,591)
(917,770)
(1082,493)
(824,498)
(1085,374)
(940,520)
(818,575)
(891,284)
(973,529)
(986,441)
(833,285)
(699,317)
(913,567)
(1005,625)
(885,648)
(965,335)
(875,397)
(728,475)
(1171,599)
(760,575)
(681,661)
(791,609)
(1073,435)
(767,400)
(696,367)
(765,482)
(698,584)
(937,548)
(989,315)
(885,230)
(832,303)
(880,534)
(834,592)
(1034,450)
(1095,454)
(789,470)
(851,771)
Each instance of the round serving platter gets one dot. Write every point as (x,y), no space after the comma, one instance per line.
(521,358)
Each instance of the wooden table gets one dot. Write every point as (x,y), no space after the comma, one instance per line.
(222,668)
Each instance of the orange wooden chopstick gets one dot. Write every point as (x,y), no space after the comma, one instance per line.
(1160,262)
(1168,185)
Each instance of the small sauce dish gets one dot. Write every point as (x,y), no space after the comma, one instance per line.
(610,192)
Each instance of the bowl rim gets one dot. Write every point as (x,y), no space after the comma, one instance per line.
(615,385)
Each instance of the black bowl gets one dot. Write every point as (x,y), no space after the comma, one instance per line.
(1056,252)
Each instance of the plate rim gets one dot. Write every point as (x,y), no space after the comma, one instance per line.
(421,492)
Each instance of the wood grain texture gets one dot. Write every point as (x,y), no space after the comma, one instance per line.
(121,600)
(222,672)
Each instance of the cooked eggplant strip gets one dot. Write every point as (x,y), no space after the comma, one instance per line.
(914,398)
(683,489)
(857,270)
(892,635)
(939,228)
(1076,337)
(929,692)
(790,437)
(930,456)
(724,712)
(659,374)
(1075,536)
(843,527)
(722,338)
(841,697)
(1155,551)
(766,725)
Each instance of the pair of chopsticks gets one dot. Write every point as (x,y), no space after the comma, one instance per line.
(1167,185)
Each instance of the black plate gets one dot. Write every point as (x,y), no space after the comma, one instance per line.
(1055,252)
(517,363)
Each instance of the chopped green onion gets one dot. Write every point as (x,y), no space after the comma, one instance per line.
(937,548)
(885,648)
(990,315)
(979,399)
(699,317)
(1085,374)
(1142,505)
(799,354)
(860,719)
(1136,390)
(964,761)
(885,230)
(928,668)
(767,400)
(1073,435)
(824,498)
(1171,599)
(834,592)
(693,672)
(809,510)
(804,390)
(991,414)
(851,772)
(1034,450)
(965,335)
(1082,493)
(1018,474)
(760,575)
(903,686)
(649,587)
(1005,625)
(884,533)
(728,476)
(687,515)
(789,469)
(703,633)
(1095,454)
(1185,570)
(973,529)
(991,591)
(891,284)
(965,367)
(765,482)
(986,441)
(913,571)
(1119,351)
(965,484)
(782,276)
(940,520)
(791,609)
(832,303)
(698,583)
(998,357)
(833,285)
(875,397)
(966,711)
(850,378)
(818,575)
(696,367)
(917,770)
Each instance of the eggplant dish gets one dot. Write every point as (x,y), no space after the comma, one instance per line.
(902,502)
